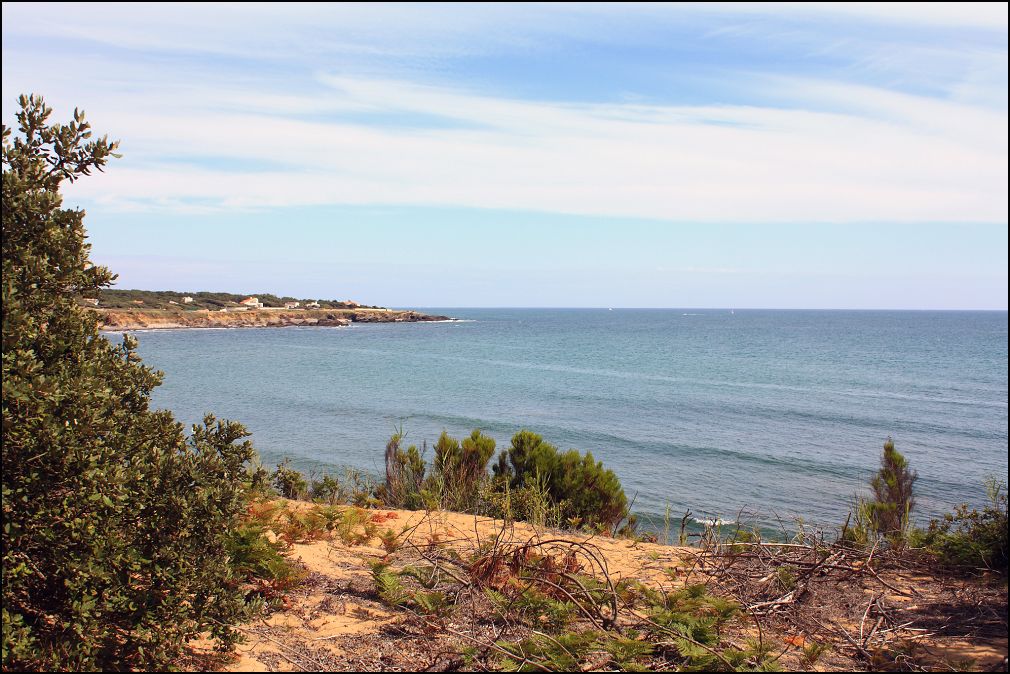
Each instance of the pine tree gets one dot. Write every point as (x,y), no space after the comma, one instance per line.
(893,497)
(115,525)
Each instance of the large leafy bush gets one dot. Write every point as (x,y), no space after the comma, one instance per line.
(116,527)
(585,491)
(531,480)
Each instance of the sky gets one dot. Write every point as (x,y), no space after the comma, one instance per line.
(838,155)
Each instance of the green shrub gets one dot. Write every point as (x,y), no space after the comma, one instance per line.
(390,540)
(357,489)
(594,493)
(893,498)
(889,512)
(675,631)
(258,482)
(813,652)
(327,490)
(305,526)
(541,652)
(404,475)
(858,528)
(532,503)
(388,585)
(586,491)
(347,528)
(288,482)
(117,529)
(260,561)
(459,468)
(532,481)
(969,538)
(391,589)
(516,463)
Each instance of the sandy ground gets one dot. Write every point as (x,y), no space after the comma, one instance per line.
(337,599)
(335,621)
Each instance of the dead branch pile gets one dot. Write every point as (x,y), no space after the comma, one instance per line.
(880,607)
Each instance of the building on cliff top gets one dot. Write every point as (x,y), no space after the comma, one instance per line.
(291,305)
(252,303)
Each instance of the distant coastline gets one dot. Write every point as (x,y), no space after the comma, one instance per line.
(124,310)
(167,319)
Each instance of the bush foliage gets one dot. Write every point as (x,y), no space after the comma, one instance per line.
(404,475)
(888,513)
(288,482)
(531,480)
(116,526)
(968,538)
(587,493)
(893,499)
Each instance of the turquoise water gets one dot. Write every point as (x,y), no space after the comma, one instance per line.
(780,413)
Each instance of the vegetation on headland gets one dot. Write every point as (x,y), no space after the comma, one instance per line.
(143,319)
(115,298)
(124,538)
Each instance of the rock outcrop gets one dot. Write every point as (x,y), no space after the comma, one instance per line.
(126,319)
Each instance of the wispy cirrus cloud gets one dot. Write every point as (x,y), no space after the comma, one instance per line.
(886,157)
(754,113)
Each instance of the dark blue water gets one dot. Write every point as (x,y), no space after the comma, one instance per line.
(781,412)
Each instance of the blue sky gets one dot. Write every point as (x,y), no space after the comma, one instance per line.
(776,155)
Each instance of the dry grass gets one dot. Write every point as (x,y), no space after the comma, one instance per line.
(473,588)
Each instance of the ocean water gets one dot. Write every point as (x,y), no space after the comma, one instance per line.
(779,414)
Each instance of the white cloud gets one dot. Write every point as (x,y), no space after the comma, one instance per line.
(985,15)
(199,138)
(291,30)
(890,158)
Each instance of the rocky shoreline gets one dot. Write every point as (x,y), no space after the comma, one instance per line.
(126,319)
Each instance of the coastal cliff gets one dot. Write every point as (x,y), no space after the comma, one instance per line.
(132,319)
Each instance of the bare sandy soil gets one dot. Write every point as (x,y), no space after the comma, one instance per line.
(333,617)
(334,620)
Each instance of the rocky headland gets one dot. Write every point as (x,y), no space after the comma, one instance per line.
(154,319)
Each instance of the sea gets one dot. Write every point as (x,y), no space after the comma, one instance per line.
(773,418)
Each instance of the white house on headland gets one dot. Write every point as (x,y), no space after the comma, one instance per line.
(312,305)
(252,303)
(291,305)
(187,299)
